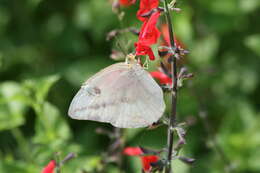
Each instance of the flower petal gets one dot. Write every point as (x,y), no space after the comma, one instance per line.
(147,160)
(149,34)
(50,167)
(166,37)
(132,151)
(163,78)
(145,7)
(126,2)
(144,50)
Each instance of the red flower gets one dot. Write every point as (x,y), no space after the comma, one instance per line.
(133,151)
(146,160)
(163,78)
(50,167)
(148,35)
(144,50)
(166,37)
(145,7)
(126,2)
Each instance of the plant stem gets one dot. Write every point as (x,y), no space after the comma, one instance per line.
(172,121)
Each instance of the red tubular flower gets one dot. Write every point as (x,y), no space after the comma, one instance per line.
(50,167)
(163,78)
(126,2)
(144,50)
(145,7)
(148,35)
(132,151)
(166,37)
(146,160)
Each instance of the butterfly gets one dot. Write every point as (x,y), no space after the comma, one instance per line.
(123,94)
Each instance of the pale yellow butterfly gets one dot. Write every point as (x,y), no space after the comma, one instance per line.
(123,94)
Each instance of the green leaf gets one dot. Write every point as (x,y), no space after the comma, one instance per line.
(88,164)
(183,26)
(12,110)
(50,126)
(17,166)
(253,43)
(249,5)
(205,50)
(77,72)
(224,7)
(40,87)
(130,134)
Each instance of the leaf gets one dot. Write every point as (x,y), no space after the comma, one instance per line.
(205,50)
(183,25)
(249,5)
(17,166)
(43,153)
(86,163)
(253,43)
(12,110)
(40,87)
(224,7)
(50,126)
(77,72)
(132,133)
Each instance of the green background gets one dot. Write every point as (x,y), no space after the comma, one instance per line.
(49,47)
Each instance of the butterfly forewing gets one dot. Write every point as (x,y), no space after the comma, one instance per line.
(124,95)
(93,95)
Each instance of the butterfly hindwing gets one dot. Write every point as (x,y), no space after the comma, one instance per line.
(148,105)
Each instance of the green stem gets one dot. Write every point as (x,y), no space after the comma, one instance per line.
(172,121)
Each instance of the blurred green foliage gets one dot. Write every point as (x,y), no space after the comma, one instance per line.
(48,48)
